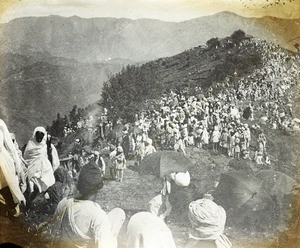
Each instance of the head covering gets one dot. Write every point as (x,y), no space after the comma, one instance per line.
(112,148)
(181,178)
(42,130)
(207,219)
(119,149)
(90,179)
(149,141)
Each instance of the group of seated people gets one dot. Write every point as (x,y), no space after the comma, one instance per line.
(79,221)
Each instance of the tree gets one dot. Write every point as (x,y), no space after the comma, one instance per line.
(125,93)
(238,36)
(213,42)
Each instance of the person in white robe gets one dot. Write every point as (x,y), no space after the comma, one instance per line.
(40,173)
(205,137)
(147,230)
(181,179)
(10,171)
(149,148)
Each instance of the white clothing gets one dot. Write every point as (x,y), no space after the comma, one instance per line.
(40,170)
(146,230)
(10,164)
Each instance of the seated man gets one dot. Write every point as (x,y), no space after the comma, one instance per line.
(46,202)
(80,221)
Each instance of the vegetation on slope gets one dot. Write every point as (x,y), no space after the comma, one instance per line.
(125,93)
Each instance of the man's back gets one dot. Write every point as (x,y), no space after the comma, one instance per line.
(85,224)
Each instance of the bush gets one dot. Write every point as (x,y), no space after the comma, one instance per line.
(238,36)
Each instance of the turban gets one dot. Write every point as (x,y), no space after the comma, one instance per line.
(207,219)
(149,141)
(90,179)
(181,178)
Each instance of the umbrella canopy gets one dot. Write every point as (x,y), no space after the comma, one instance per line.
(275,183)
(243,197)
(236,188)
(164,163)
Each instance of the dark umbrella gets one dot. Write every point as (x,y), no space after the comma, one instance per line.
(236,188)
(163,163)
(276,184)
(247,205)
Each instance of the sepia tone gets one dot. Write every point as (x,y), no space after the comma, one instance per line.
(76,74)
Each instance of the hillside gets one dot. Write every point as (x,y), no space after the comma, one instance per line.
(33,89)
(195,70)
(98,39)
(263,74)
(254,221)
(55,56)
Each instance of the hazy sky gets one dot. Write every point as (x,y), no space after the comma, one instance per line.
(168,10)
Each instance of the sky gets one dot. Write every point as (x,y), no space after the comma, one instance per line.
(167,10)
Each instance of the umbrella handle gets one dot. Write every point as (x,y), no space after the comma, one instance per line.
(254,195)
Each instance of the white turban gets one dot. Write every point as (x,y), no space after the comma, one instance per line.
(181,178)
(149,141)
(208,222)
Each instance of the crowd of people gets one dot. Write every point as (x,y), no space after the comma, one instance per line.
(230,121)
(227,121)
(77,219)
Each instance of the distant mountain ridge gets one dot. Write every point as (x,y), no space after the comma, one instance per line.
(33,89)
(97,39)
(51,63)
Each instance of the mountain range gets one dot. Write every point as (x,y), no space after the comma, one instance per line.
(51,63)
(99,39)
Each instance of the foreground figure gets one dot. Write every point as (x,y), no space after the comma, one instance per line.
(208,223)
(147,230)
(10,168)
(40,172)
(81,222)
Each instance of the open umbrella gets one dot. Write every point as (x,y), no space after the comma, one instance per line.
(247,205)
(236,188)
(276,184)
(164,163)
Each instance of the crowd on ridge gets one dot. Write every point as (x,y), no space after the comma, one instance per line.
(225,122)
